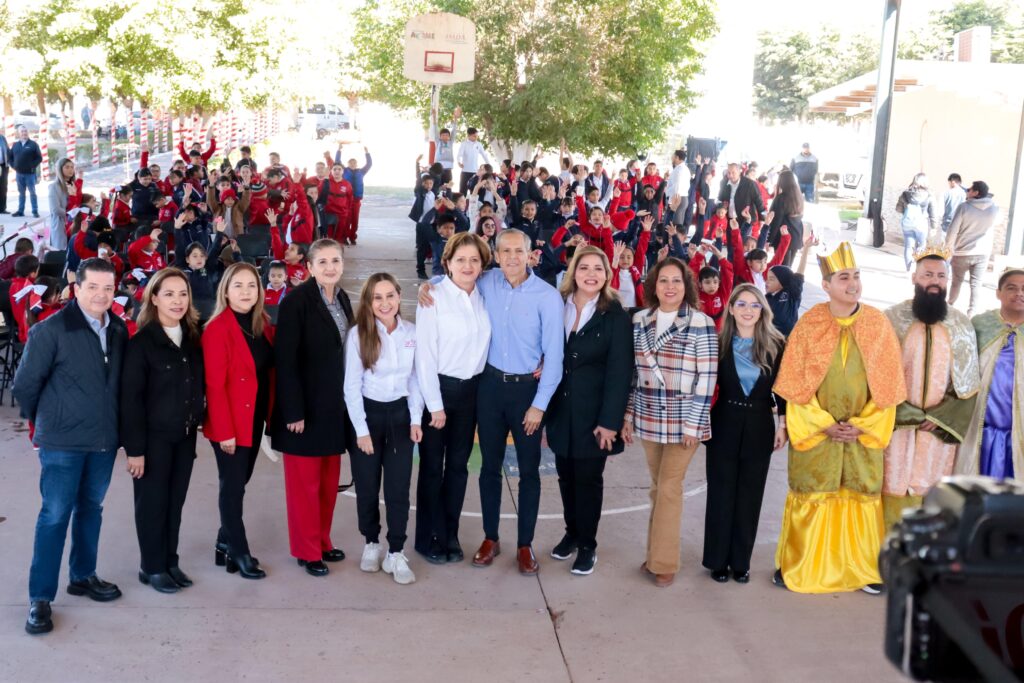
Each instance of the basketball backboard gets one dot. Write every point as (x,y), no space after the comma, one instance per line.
(440,49)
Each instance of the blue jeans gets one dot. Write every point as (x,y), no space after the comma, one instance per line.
(70,482)
(913,239)
(808,191)
(26,181)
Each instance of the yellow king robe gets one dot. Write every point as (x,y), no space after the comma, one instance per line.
(832,525)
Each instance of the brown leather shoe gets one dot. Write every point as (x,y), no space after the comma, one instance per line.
(527,561)
(485,555)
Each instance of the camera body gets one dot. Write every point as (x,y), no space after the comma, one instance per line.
(965,548)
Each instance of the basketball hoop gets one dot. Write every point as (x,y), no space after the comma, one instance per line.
(440,49)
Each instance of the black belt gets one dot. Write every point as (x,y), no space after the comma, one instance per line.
(508,377)
(448,379)
(749,405)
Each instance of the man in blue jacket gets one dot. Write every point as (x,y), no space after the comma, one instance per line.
(68,385)
(25,158)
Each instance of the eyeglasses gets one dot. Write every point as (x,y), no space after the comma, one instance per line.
(744,305)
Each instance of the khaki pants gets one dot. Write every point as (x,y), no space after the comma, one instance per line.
(668,463)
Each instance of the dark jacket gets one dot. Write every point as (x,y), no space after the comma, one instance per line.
(730,392)
(596,376)
(747,195)
(67,386)
(310,359)
(162,389)
(26,156)
(785,304)
(142,200)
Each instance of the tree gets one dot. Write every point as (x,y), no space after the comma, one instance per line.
(788,69)
(1007,26)
(608,76)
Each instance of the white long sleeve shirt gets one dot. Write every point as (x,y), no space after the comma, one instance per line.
(391,378)
(472,155)
(678,182)
(452,339)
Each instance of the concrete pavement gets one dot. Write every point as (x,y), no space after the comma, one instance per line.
(456,623)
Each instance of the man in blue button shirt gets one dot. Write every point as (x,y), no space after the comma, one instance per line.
(526,334)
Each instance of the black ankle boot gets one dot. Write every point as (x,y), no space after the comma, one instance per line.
(244,565)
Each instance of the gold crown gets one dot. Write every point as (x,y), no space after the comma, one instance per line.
(840,259)
(940,250)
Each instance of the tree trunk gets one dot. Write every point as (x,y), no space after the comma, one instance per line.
(8,105)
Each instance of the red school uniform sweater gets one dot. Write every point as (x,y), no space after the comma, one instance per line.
(138,258)
(713,305)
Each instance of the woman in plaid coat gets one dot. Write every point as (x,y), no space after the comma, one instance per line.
(669,409)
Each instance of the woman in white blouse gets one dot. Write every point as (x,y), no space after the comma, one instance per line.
(385,407)
(451,349)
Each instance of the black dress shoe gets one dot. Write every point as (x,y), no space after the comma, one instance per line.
(565,548)
(720,575)
(180,577)
(741,577)
(17,214)
(316,568)
(455,553)
(95,588)
(245,565)
(778,580)
(40,618)
(333,555)
(436,554)
(35,214)
(161,583)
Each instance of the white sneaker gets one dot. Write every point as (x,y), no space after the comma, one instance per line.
(397,564)
(371,558)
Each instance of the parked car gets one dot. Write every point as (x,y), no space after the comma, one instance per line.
(30,119)
(322,118)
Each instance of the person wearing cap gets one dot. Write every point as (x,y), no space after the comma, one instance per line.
(229,206)
(805,167)
(994,443)
(970,236)
(841,379)
(940,367)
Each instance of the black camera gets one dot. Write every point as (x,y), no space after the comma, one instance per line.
(954,571)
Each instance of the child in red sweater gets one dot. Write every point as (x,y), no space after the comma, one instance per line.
(122,212)
(143,253)
(715,283)
(295,260)
(26,269)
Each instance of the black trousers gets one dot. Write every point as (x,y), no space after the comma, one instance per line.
(581,482)
(444,465)
(425,235)
(159,499)
(392,458)
(464,182)
(501,407)
(738,458)
(234,472)
(4,174)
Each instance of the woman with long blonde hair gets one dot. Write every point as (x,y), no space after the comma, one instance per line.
(386,408)
(743,432)
(162,406)
(239,357)
(585,415)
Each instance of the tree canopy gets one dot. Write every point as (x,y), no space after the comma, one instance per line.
(608,76)
(184,55)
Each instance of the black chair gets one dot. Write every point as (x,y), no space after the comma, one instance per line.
(10,346)
(258,230)
(52,270)
(272,313)
(58,257)
(253,248)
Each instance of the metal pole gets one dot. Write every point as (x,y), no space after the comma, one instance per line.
(1015,222)
(435,104)
(883,115)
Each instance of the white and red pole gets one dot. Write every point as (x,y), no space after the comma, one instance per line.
(70,137)
(44,143)
(144,127)
(95,140)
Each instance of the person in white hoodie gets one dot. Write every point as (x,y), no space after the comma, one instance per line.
(970,237)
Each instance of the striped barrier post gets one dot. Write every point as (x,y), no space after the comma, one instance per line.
(161,132)
(70,137)
(175,132)
(95,140)
(144,127)
(193,132)
(9,129)
(44,144)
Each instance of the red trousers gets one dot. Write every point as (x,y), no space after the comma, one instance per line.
(353,218)
(311,489)
(339,230)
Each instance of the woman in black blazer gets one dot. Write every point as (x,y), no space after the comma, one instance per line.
(162,405)
(309,423)
(585,414)
(743,432)
(787,210)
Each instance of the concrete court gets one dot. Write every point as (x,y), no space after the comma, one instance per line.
(456,623)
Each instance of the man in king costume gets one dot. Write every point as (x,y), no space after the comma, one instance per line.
(842,380)
(940,367)
(994,444)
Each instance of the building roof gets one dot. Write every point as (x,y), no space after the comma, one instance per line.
(857,95)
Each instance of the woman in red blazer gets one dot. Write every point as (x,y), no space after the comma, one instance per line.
(239,359)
